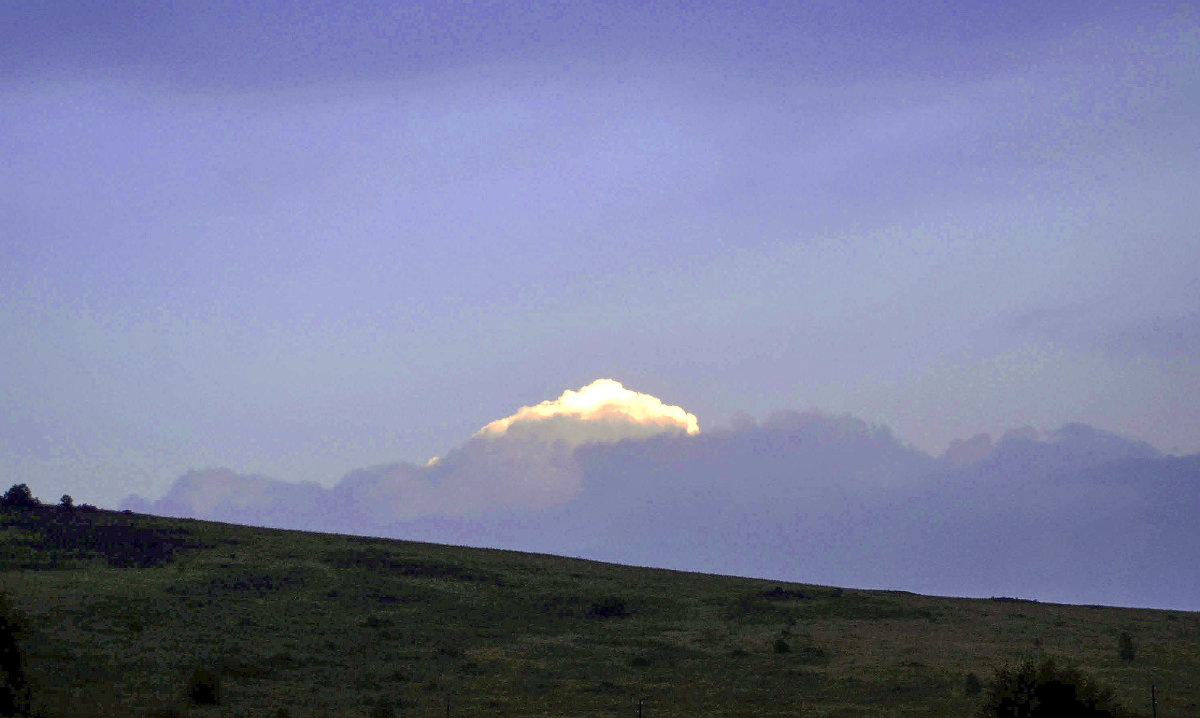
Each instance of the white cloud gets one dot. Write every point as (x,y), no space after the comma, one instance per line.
(603,411)
(524,461)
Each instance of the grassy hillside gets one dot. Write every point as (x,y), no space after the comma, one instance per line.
(122,608)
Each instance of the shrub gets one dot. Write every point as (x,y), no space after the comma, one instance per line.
(14,691)
(382,709)
(1047,689)
(1125,647)
(781,646)
(972,686)
(204,687)
(610,607)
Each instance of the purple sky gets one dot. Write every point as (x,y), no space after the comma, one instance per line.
(304,239)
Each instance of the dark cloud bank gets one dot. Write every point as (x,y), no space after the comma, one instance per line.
(1077,515)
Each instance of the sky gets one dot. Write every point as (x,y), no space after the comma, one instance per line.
(299,238)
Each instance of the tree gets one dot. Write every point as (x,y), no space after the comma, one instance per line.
(1047,689)
(20,497)
(14,691)
(66,502)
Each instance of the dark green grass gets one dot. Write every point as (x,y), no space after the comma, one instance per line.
(123,609)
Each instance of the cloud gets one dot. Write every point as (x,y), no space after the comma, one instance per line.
(601,411)
(1076,514)
(223,495)
(520,463)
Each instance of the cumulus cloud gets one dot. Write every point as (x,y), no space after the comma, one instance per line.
(522,462)
(601,411)
(482,476)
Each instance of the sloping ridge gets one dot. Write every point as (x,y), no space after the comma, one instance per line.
(332,624)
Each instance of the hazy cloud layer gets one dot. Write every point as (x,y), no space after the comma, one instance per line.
(1075,515)
(521,462)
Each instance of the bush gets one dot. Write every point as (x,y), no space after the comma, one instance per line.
(1047,689)
(383,709)
(19,497)
(972,686)
(204,687)
(610,607)
(14,690)
(781,646)
(1125,647)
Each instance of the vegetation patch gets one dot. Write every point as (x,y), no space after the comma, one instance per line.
(378,560)
(778,593)
(54,539)
(118,614)
(863,606)
(257,582)
(608,607)
(204,686)
(1047,688)
(14,689)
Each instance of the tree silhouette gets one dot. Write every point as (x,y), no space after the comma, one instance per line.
(19,496)
(14,691)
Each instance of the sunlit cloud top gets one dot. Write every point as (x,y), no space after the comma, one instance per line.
(604,400)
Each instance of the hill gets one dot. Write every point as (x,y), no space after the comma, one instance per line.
(122,608)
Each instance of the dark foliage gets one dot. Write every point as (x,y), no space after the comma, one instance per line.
(204,687)
(972,686)
(19,496)
(781,646)
(14,691)
(1125,647)
(610,607)
(382,561)
(783,594)
(66,503)
(383,709)
(60,539)
(1047,689)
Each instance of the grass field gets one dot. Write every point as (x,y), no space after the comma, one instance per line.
(123,608)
